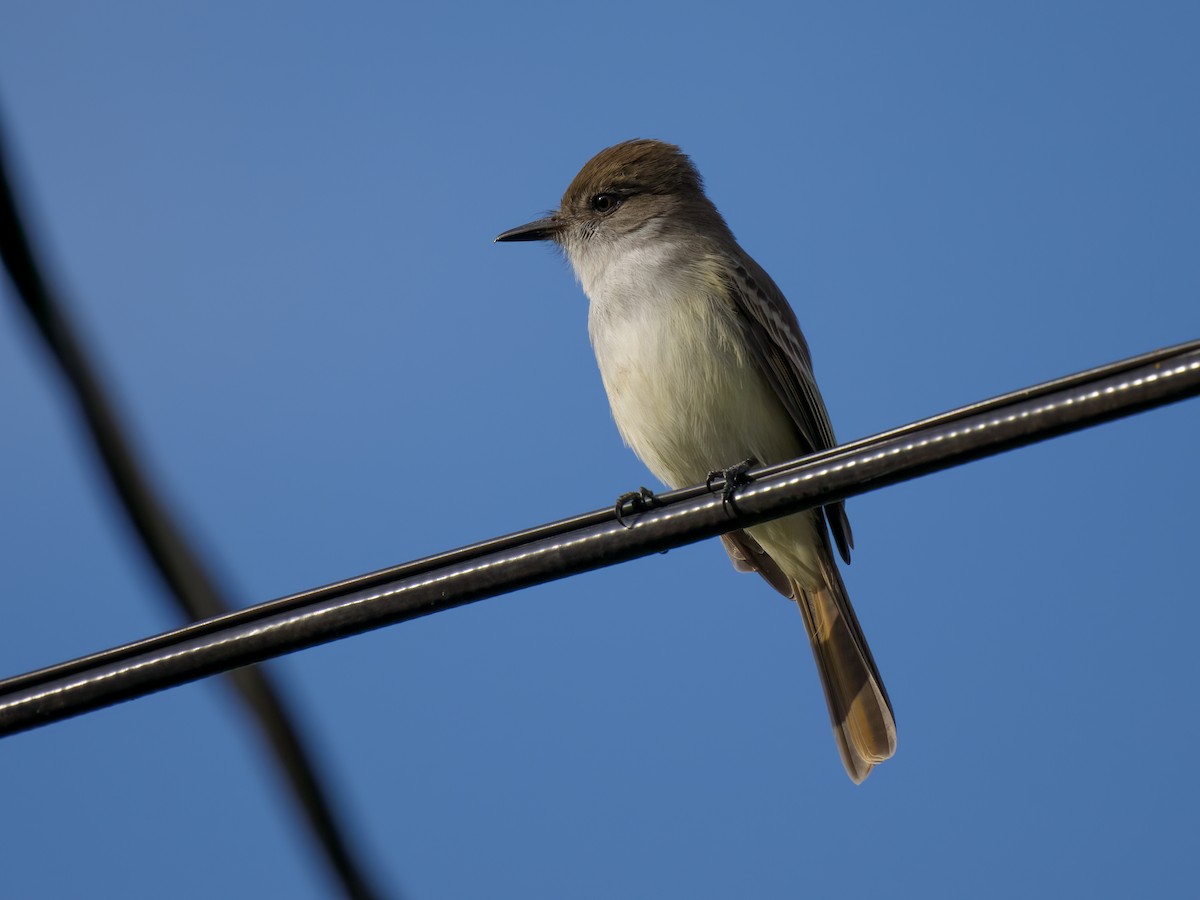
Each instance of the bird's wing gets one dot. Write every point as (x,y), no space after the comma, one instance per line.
(749,556)
(783,357)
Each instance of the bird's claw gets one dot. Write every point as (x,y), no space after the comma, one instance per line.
(638,501)
(733,478)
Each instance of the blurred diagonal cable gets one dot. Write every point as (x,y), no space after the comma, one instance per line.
(191,586)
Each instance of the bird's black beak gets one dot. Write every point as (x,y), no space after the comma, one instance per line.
(541,230)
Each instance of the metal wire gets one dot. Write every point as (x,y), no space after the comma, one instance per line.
(597,539)
(190,585)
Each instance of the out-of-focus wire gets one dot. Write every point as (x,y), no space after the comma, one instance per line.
(190,585)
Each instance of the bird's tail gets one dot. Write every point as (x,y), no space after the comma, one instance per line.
(863,724)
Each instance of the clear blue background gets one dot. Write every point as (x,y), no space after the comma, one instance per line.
(275,221)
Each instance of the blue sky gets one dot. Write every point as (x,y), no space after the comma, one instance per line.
(275,224)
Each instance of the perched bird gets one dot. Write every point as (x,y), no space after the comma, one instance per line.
(705,366)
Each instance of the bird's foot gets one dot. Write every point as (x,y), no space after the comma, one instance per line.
(635,502)
(733,478)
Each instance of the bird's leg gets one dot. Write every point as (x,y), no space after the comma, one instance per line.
(637,501)
(733,477)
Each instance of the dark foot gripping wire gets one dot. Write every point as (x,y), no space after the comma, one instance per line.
(731,479)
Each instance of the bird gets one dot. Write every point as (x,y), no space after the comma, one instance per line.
(706,369)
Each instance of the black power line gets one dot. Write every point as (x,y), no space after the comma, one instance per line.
(193,589)
(597,539)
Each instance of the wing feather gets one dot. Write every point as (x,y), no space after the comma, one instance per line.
(782,354)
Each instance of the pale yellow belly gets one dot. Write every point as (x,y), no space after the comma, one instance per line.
(687,402)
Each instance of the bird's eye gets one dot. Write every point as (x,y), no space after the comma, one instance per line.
(605,203)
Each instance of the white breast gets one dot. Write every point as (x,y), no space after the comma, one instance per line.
(684,392)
